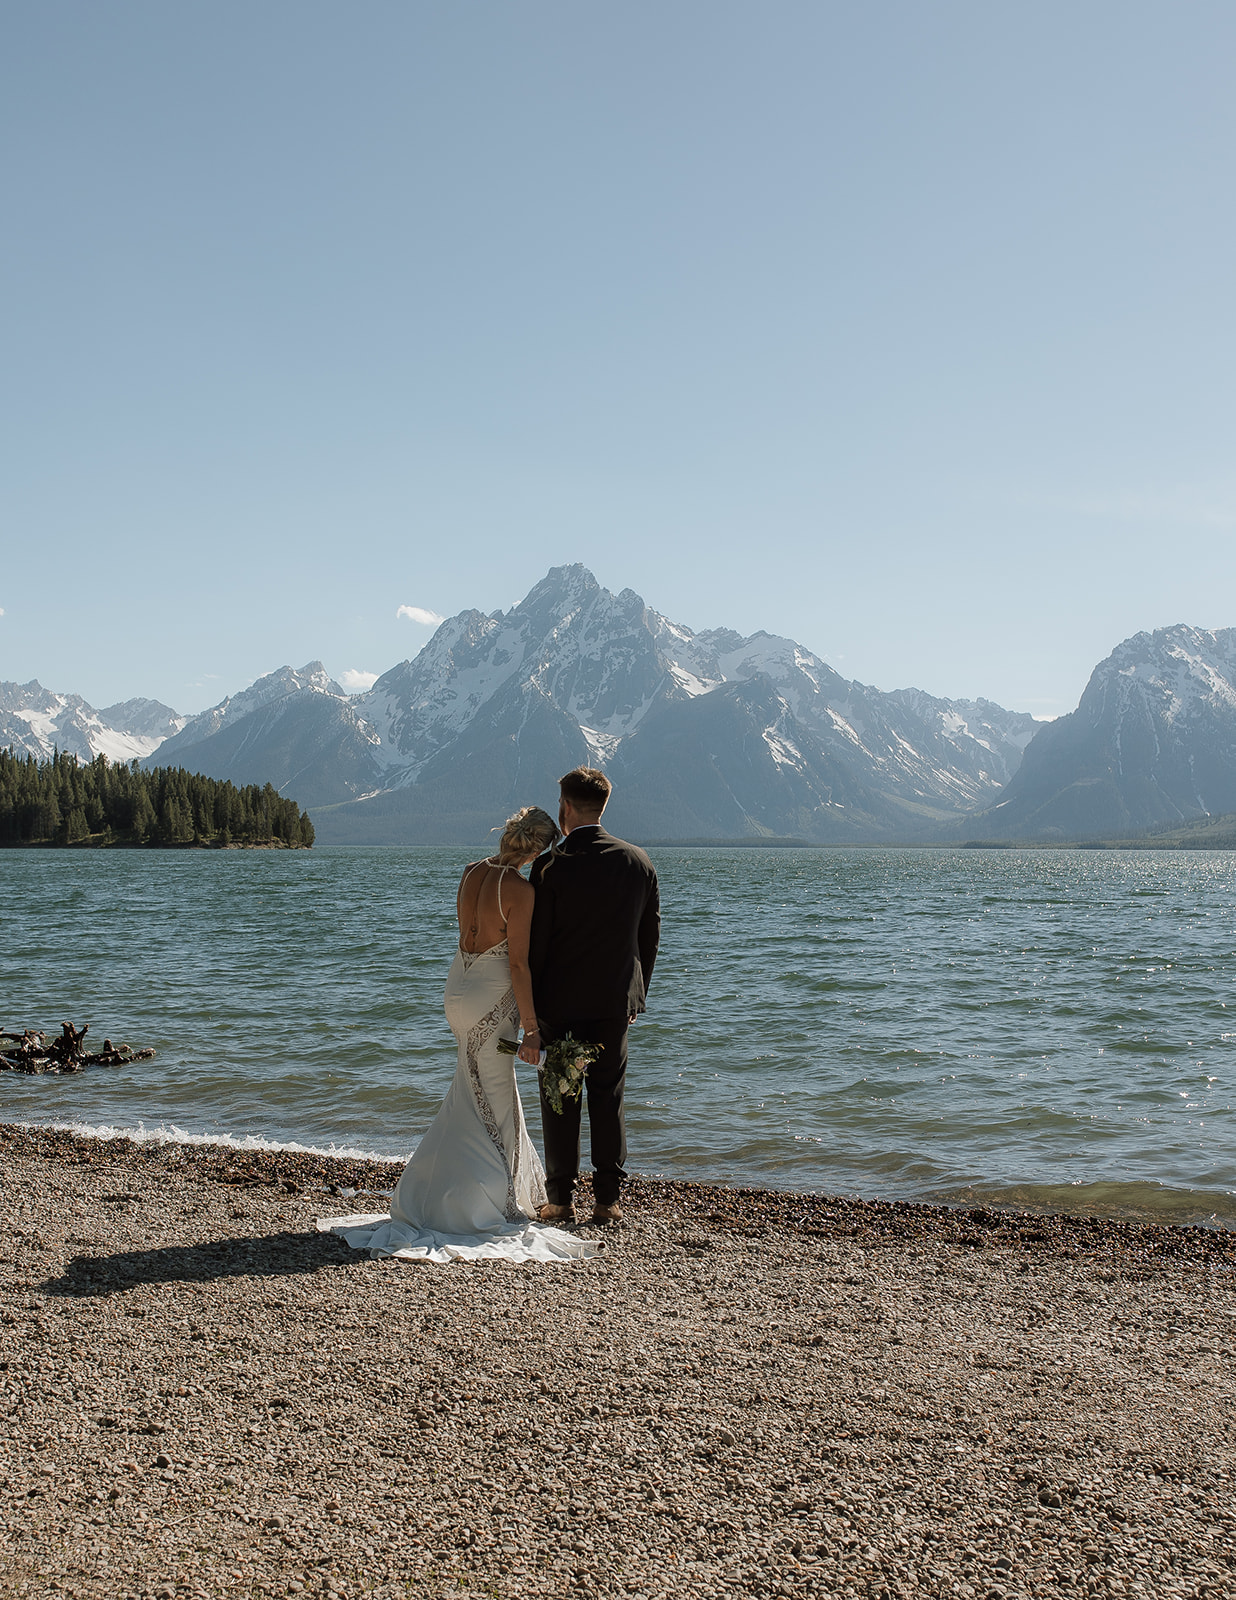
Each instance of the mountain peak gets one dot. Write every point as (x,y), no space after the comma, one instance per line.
(288,680)
(1184,663)
(1152,742)
(37,721)
(562,589)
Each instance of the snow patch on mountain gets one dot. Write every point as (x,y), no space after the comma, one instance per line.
(1179,668)
(312,678)
(38,722)
(1152,743)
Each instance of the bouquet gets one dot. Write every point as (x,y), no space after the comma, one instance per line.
(564,1066)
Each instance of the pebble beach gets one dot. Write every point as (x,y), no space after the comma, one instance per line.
(747,1393)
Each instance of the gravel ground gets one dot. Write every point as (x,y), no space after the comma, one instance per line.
(748,1394)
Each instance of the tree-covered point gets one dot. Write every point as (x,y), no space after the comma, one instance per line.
(59,802)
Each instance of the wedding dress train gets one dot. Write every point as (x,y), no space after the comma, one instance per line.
(474,1184)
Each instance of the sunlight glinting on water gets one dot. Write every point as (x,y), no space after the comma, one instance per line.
(1048,1027)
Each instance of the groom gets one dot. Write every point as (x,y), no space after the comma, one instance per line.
(595,929)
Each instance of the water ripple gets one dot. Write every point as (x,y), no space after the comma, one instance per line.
(1045,1027)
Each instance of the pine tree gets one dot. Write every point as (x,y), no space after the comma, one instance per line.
(59,802)
(144,821)
(75,827)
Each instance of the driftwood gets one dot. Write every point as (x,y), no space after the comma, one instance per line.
(29,1051)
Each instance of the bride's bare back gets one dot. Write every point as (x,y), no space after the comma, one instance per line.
(487,895)
(494,906)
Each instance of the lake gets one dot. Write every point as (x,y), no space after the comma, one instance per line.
(1040,1028)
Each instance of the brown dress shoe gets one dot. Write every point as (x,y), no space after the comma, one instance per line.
(552,1213)
(610,1213)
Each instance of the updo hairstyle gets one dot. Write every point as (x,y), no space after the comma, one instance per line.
(527,833)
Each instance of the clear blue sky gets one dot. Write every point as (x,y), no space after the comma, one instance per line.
(904,329)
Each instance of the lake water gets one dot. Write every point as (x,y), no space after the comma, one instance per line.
(1029,1028)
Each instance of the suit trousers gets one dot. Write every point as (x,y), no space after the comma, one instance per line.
(604,1088)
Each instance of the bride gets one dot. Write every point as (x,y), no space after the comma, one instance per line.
(475,1183)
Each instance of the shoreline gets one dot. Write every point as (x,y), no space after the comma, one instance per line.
(974,1226)
(750,1392)
(100,841)
(374,1172)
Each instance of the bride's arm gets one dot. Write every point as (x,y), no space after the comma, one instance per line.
(518,927)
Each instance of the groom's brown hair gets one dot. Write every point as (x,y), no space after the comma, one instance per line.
(587,788)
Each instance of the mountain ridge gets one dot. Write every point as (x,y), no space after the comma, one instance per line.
(575,673)
(1151,743)
(37,721)
(707,734)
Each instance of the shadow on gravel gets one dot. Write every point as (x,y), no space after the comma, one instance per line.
(273,1255)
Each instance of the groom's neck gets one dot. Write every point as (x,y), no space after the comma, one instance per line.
(571,817)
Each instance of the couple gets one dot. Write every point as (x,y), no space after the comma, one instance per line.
(579,936)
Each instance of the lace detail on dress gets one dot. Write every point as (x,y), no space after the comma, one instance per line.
(506,1010)
(469,956)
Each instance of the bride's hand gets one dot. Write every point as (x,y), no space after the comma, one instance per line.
(530,1047)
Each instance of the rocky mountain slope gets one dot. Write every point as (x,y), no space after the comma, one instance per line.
(37,721)
(297,729)
(1152,742)
(705,734)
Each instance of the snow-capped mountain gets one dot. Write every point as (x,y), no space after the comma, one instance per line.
(297,729)
(1152,742)
(587,651)
(496,707)
(706,735)
(311,679)
(36,721)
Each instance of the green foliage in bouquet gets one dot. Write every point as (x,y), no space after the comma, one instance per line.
(564,1069)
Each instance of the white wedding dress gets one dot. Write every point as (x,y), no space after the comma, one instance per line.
(475,1183)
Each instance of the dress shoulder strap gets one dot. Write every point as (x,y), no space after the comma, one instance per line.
(503,871)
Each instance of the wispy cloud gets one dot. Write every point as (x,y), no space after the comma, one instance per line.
(354,680)
(426,619)
(1,611)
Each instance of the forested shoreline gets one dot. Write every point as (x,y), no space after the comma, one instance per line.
(61,802)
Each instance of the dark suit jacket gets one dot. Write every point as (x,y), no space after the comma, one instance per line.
(595,927)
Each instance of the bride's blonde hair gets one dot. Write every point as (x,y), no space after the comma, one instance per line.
(528,832)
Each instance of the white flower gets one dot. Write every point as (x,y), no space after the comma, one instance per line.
(563,1086)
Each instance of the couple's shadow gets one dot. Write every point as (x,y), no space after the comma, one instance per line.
(271,1255)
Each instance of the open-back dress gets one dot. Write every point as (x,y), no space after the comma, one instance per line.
(474,1183)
